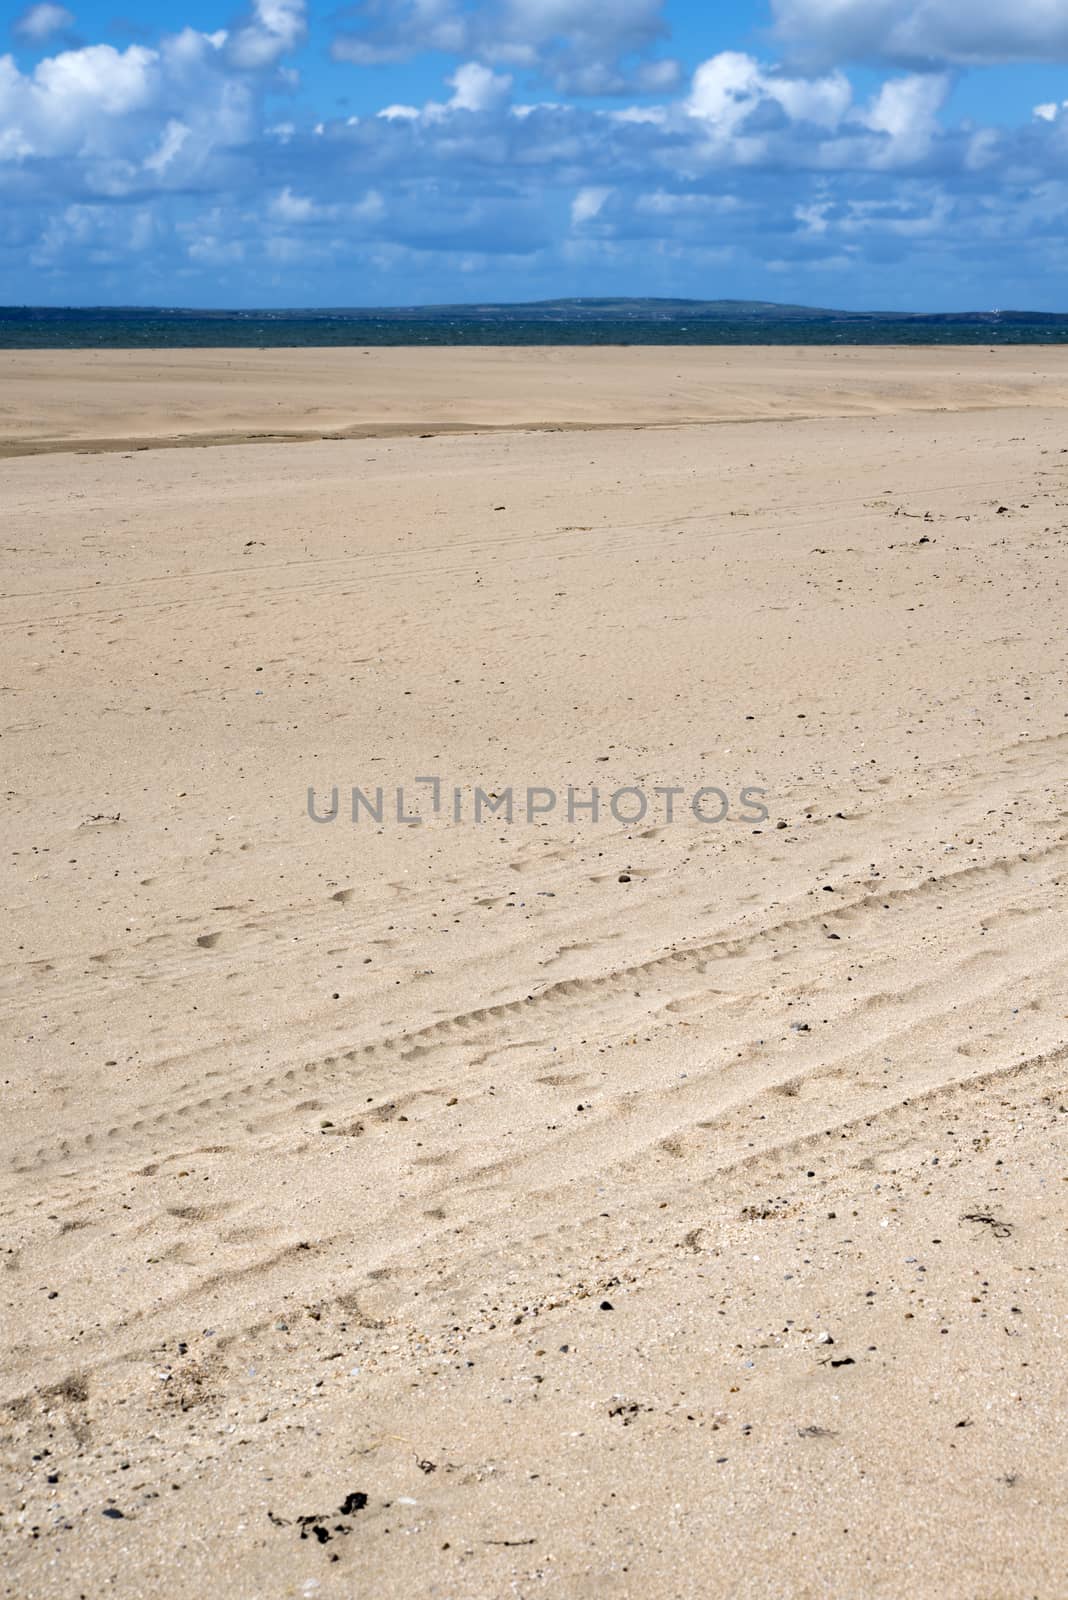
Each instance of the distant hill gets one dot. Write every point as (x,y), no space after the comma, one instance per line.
(655,310)
(581,309)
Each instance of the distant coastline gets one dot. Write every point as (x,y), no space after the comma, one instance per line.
(544,322)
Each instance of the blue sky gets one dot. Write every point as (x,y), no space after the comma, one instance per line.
(906,154)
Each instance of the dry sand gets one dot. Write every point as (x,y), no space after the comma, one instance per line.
(560,1208)
(117,400)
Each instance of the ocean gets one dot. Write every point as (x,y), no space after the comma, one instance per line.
(546,323)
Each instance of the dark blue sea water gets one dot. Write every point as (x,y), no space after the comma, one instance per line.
(580,322)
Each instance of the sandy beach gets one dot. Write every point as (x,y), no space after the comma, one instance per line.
(482,1206)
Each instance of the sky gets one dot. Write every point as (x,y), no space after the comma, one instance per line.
(867,154)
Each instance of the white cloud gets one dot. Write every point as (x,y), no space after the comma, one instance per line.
(813,218)
(100,234)
(275,28)
(906,110)
(477,88)
(587,204)
(925,32)
(370,209)
(40,22)
(174,137)
(654,116)
(121,120)
(290,207)
(784,162)
(823,101)
(295,209)
(920,212)
(210,250)
(108,81)
(727,88)
(732,94)
(189,49)
(983,149)
(578,45)
(662,204)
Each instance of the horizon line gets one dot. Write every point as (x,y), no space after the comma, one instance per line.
(561,301)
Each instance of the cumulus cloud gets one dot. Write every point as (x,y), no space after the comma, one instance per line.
(728,88)
(41,22)
(176,156)
(754,114)
(79,102)
(100,78)
(123,122)
(476,88)
(924,32)
(906,111)
(581,46)
(274,28)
